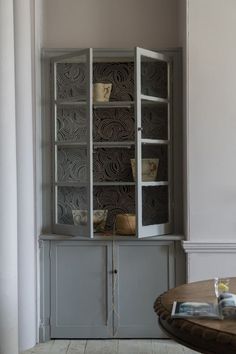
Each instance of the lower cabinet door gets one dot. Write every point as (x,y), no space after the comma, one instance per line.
(145,269)
(81,285)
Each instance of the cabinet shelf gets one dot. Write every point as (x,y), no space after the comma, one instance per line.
(96,105)
(155,184)
(113,104)
(155,141)
(97,184)
(113,144)
(70,102)
(108,184)
(152,99)
(99,144)
(71,184)
(103,184)
(70,144)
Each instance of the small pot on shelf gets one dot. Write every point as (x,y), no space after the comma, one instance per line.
(125,224)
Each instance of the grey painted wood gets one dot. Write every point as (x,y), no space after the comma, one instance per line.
(46,152)
(55,237)
(180,264)
(145,270)
(86,230)
(153,229)
(81,286)
(44,327)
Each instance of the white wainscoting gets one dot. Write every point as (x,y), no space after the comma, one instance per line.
(208,259)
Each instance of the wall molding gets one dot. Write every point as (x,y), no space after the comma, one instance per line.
(209,247)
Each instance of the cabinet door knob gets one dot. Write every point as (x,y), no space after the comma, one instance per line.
(115,271)
(140,129)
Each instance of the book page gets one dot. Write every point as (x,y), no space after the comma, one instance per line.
(195,309)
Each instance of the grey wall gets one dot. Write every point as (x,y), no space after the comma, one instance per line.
(110,23)
(212,119)
(211,143)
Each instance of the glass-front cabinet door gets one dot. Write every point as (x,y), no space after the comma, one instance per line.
(72,139)
(111,142)
(153,143)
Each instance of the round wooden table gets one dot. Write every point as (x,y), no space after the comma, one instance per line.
(203,335)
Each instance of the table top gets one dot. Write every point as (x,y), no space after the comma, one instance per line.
(204,335)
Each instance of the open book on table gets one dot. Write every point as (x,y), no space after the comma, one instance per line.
(224,307)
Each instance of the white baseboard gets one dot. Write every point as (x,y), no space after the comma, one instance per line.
(208,259)
(209,247)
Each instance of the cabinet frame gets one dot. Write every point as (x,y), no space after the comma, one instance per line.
(70,229)
(155,229)
(141,231)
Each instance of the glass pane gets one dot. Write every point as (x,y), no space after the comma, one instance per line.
(154,121)
(71,137)
(71,81)
(72,165)
(120,75)
(71,124)
(113,164)
(154,162)
(70,199)
(113,124)
(116,200)
(154,77)
(155,205)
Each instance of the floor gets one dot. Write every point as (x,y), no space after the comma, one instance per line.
(124,346)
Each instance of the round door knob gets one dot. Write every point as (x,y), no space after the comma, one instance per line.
(115,271)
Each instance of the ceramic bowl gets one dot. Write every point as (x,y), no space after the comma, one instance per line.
(149,169)
(80,217)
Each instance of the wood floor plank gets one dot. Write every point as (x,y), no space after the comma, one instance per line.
(101,346)
(60,346)
(43,347)
(169,347)
(76,347)
(113,346)
(137,346)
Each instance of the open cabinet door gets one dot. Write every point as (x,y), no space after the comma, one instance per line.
(72,139)
(153,143)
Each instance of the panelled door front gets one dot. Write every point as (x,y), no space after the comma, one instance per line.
(145,269)
(81,285)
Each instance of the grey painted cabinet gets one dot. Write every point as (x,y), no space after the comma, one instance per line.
(81,289)
(104,289)
(102,283)
(144,270)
